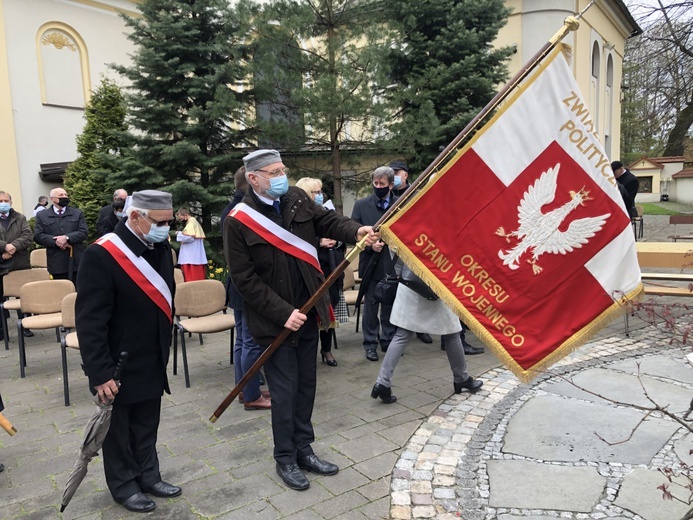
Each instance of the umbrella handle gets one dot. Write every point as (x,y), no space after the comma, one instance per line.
(122,359)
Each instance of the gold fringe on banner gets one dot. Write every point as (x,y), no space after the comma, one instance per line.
(577,340)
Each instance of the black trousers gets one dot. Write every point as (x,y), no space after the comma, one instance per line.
(291,376)
(376,330)
(130,460)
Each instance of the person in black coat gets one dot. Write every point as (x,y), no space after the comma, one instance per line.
(117,213)
(62,230)
(377,261)
(105,223)
(115,313)
(630,182)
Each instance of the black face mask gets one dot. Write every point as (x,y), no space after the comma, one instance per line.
(63,201)
(381,193)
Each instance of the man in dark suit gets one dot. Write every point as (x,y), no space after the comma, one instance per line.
(268,240)
(117,311)
(630,182)
(105,223)
(62,230)
(377,261)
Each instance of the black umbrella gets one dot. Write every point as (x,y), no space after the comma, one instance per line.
(367,277)
(94,435)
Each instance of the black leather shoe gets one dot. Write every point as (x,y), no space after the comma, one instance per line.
(471,384)
(371,355)
(425,338)
(471,351)
(292,476)
(163,490)
(2,468)
(28,333)
(138,503)
(316,465)
(384,393)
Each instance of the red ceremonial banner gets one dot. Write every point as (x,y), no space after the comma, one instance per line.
(532,251)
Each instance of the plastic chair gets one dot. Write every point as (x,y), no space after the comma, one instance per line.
(44,301)
(12,284)
(37,258)
(204,303)
(178,275)
(69,339)
(351,294)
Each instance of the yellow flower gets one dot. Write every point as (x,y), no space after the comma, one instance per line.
(219,270)
(211,275)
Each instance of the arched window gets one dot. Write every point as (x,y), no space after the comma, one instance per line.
(63,66)
(594,83)
(609,105)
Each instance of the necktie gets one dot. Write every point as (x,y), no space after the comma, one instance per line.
(60,212)
(276,207)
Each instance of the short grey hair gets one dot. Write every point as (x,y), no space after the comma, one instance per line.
(133,209)
(384,171)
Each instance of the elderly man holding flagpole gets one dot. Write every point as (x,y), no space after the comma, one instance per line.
(270,237)
(124,303)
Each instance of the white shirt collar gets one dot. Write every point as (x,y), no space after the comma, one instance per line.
(266,200)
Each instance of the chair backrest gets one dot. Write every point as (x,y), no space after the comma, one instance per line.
(200,298)
(174,256)
(349,281)
(68,310)
(178,275)
(640,210)
(44,297)
(680,219)
(37,258)
(14,280)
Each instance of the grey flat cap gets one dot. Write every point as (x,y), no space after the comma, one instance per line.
(152,199)
(260,158)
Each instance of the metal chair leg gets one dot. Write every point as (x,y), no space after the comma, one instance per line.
(22,353)
(3,318)
(66,387)
(185,357)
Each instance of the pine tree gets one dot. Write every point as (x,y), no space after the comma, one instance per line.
(314,75)
(88,180)
(187,109)
(443,70)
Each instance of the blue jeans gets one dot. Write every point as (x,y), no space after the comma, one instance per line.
(245,353)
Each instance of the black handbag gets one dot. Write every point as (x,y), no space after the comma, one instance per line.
(417,285)
(386,290)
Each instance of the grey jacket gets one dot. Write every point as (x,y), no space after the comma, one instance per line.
(413,312)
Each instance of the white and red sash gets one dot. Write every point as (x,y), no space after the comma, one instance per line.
(143,274)
(276,235)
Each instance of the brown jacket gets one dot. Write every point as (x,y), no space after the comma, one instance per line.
(261,272)
(18,233)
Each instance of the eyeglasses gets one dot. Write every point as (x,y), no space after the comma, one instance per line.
(275,173)
(158,223)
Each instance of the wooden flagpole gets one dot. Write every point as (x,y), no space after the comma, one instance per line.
(571,24)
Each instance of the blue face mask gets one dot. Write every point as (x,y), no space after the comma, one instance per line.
(319,199)
(157,234)
(5,207)
(398,181)
(278,186)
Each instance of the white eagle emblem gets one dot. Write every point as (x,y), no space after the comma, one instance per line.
(538,232)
